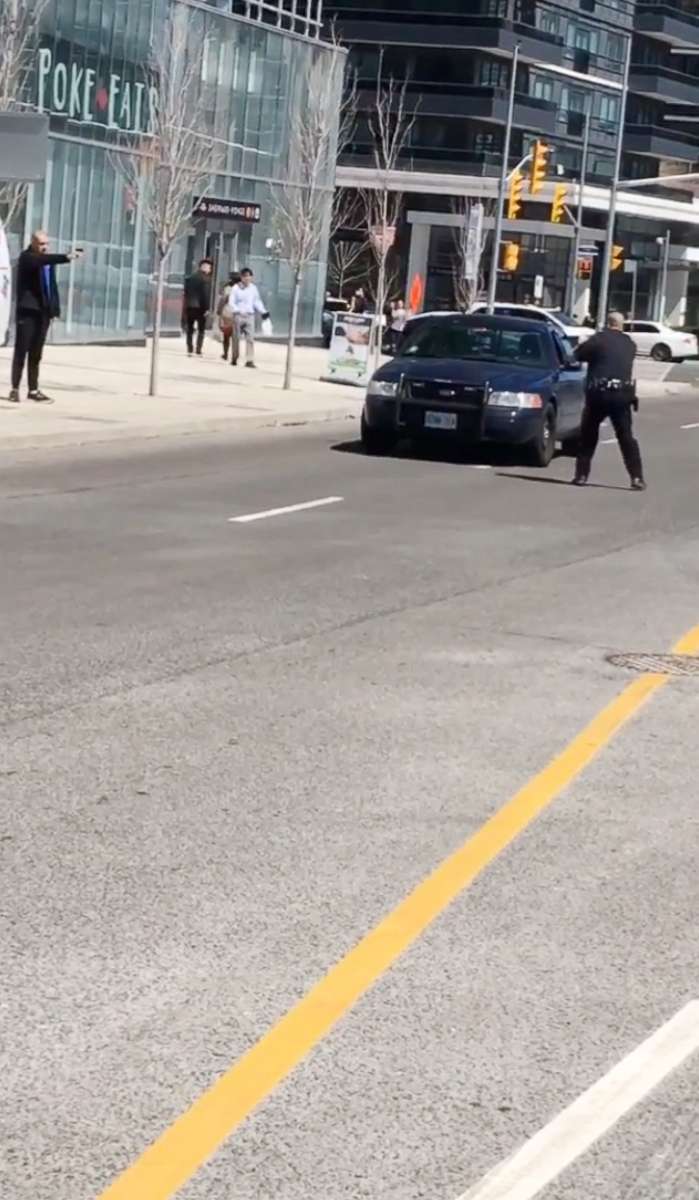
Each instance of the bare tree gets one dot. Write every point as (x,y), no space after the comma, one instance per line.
(303,204)
(349,248)
(178,159)
(390,124)
(19,26)
(470,241)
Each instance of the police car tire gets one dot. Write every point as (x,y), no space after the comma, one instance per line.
(542,450)
(661,352)
(376,441)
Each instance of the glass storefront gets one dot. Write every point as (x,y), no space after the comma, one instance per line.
(90,78)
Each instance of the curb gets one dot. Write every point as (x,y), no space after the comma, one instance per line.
(236,425)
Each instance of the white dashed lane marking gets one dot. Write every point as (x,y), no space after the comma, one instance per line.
(288,508)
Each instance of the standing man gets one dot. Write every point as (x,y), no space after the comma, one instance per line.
(610,392)
(245,301)
(197,302)
(38,304)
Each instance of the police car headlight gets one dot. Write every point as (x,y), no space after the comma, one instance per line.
(515,400)
(382,387)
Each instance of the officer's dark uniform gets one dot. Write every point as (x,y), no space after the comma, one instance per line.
(610,392)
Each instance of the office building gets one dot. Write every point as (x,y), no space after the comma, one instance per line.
(89,77)
(457,58)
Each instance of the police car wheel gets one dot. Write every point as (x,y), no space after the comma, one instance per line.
(661,353)
(376,441)
(542,450)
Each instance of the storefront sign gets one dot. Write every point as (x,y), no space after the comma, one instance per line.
(216,209)
(5,286)
(93,95)
(350,348)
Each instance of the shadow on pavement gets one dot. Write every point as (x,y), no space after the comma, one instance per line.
(481,456)
(605,487)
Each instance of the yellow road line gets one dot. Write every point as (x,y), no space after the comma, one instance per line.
(186,1145)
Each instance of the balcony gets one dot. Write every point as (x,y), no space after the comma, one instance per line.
(477,103)
(661,142)
(662,83)
(668,23)
(375,26)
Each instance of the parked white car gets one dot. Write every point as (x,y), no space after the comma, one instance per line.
(661,341)
(559,321)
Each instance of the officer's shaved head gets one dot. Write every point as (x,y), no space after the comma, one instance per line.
(615,320)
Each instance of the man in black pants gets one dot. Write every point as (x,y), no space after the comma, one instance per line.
(37,306)
(610,392)
(197,302)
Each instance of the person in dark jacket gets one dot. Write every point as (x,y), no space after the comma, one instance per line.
(609,392)
(197,303)
(37,305)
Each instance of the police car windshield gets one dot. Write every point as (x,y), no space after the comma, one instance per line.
(456,339)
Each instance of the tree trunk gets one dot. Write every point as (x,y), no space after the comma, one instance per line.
(380,305)
(293,320)
(157,326)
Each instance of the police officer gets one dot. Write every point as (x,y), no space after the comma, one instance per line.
(610,392)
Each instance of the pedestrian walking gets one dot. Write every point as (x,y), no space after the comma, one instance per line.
(226,319)
(197,304)
(610,392)
(245,303)
(37,305)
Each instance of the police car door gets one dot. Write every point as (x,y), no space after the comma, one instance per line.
(569,385)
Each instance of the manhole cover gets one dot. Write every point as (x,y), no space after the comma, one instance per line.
(656,664)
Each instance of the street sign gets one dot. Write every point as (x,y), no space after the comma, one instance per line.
(538,287)
(214,208)
(383,237)
(5,286)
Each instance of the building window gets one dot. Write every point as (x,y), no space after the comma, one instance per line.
(492,73)
(615,47)
(608,111)
(582,37)
(541,87)
(549,21)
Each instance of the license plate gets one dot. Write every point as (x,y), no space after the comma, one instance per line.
(441,420)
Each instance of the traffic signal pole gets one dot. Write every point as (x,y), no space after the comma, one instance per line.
(603,299)
(572,275)
(502,188)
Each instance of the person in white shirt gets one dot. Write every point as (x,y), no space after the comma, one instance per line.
(245,302)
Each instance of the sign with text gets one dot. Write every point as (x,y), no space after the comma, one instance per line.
(216,209)
(91,92)
(349,360)
(5,286)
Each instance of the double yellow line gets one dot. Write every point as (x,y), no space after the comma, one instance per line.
(166,1165)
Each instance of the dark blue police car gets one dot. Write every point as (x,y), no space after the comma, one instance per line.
(477,379)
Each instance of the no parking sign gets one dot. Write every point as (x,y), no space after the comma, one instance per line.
(5,286)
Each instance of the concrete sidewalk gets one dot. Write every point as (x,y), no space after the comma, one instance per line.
(100,394)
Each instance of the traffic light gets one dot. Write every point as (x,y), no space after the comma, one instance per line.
(617,258)
(540,159)
(558,204)
(510,258)
(514,200)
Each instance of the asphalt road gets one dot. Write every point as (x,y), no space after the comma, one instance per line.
(228,750)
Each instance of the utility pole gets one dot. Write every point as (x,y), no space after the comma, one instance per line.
(662,290)
(570,289)
(502,188)
(603,299)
